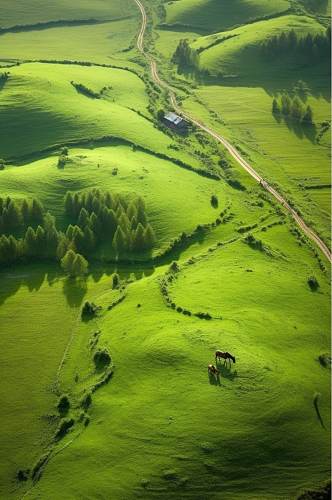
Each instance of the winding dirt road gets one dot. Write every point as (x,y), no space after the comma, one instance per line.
(231,149)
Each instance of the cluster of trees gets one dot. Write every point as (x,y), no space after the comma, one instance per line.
(74,264)
(99,217)
(27,233)
(16,216)
(184,56)
(310,47)
(42,242)
(293,108)
(82,89)
(4,77)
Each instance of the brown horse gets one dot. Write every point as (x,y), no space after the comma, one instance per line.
(224,355)
(213,370)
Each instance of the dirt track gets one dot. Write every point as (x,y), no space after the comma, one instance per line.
(231,149)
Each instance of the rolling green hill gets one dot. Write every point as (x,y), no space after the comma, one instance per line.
(123,341)
(39,104)
(214,15)
(17,14)
(237,52)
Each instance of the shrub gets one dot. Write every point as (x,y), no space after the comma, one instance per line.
(86,401)
(22,474)
(115,281)
(63,428)
(174,267)
(214,201)
(63,405)
(89,310)
(313,283)
(102,359)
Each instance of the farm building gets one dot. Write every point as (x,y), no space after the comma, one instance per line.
(175,122)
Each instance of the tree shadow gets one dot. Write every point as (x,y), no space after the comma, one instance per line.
(74,290)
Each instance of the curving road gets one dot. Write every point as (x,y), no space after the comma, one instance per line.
(231,149)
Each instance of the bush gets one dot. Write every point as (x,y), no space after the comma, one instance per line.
(115,281)
(86,401)
(313,283)
(63,405)
(102,359)
(64,428)
(22,475)
(214,201)
(89,310)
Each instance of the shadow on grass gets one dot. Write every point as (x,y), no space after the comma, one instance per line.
(214,379)
(74,290)
(225,370)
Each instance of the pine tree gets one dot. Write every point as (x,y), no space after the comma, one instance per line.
(37,211)
(79,266)
(67,261)
(70,232)
(83,218)
(308,116)
(51,236)
(30,245)
(149,237)
(76,205)
(132,210)
(25,211)
(94,224)
(138,240)
(88,240)
(62,246)
(40,241)
(119,241)
(285,104)
(141,217)
(12,216)
(275,107)
(297,109)
(78,239)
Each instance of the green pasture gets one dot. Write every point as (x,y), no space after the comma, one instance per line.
(103,43)
(39,106)
(240,55)
(162,429)
(280,150)
(16,13)
(213,15)
(160,182)
(37,319)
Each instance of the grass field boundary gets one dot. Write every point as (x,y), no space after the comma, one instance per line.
(60,23)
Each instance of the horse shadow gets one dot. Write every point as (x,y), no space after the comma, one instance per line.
(225,370)
(214,379)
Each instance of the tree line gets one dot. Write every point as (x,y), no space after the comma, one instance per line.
(95,218)
(99,217)
(310,47)
(16,216)
(293,108)
(184,56)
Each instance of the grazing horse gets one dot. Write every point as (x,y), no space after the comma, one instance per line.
(224,355)
(213,370)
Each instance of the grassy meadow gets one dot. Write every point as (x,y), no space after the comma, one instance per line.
(228,269)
